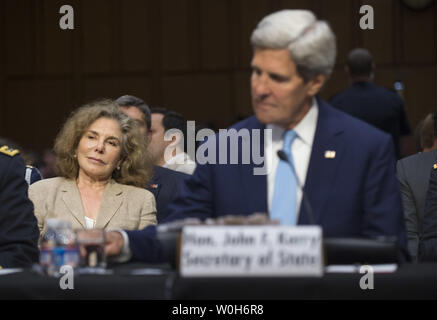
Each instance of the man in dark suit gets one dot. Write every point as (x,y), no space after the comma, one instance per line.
(165,183)
(428,235)
(413,173)
(165,186)
(340,171)
(373,104)
(18,227)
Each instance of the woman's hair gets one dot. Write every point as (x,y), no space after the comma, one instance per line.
(136,165)
(310,42)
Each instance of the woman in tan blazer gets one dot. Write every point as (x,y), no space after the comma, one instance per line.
(102,166)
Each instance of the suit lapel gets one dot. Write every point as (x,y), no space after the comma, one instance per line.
(154,185)
(111,202)
(323,163)
(72,200)
(254,186)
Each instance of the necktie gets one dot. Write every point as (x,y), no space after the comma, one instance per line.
(284,192)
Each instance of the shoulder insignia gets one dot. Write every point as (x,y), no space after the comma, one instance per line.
(434,166)
(8,151)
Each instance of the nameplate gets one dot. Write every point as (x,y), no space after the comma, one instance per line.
(249,251)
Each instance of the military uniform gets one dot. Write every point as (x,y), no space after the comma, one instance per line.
(32,175)
(18,227)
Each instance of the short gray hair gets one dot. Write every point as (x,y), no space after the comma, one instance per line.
(311,42)
(132,101)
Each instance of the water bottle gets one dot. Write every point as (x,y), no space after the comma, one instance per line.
(58,247)
(47,244)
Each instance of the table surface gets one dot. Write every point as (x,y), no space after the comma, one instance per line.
(410,281)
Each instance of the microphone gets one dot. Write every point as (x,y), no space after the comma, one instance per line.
(283,156)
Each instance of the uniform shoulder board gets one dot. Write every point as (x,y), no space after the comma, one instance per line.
(9,151)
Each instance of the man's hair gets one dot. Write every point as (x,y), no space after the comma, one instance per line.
(173,120)
(135,168)
(160,110)
(418,136)
(360,62)
(427,132)
(132,101)
(310,42)
(434,118)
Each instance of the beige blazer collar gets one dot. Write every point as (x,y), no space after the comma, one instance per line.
(111,202)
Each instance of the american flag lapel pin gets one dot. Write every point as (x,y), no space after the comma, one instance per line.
(329,154)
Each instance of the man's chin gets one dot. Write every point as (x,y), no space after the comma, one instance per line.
(265,118)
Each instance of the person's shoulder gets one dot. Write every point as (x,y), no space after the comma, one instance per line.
(349,122)
(168,174)
(8,154)
(46,184)
(134,192)
(358,133)
(10,161)
(249,123)
(387,93)
(5,151)
(32,174)
(418,158)
(337,97)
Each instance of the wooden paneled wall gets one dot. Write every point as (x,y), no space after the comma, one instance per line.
(189,55)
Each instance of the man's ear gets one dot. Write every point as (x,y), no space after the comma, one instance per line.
(315,84)
(175,139)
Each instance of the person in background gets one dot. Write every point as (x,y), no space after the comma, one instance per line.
(373,104)
(18,227)
(170,152)
(48,164)
(428,140)
(418,136)
(413,173)
(346,168)
(165,183)
(428,226)
(102,166)
(31,173)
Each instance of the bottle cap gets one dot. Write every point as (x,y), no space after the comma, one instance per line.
(53,223)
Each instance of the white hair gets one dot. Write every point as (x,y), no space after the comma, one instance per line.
(311,42)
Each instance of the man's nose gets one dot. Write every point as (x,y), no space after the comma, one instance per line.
(260,86)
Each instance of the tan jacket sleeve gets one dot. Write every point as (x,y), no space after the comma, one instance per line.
(148,212)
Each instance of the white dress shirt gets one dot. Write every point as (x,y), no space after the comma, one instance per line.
(300,150)
(182,163)
(89,223)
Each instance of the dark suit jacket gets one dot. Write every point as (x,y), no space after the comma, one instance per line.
(165,186)
(18,228)
(356,194)
(428,237)
(376,105)
(413,174)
